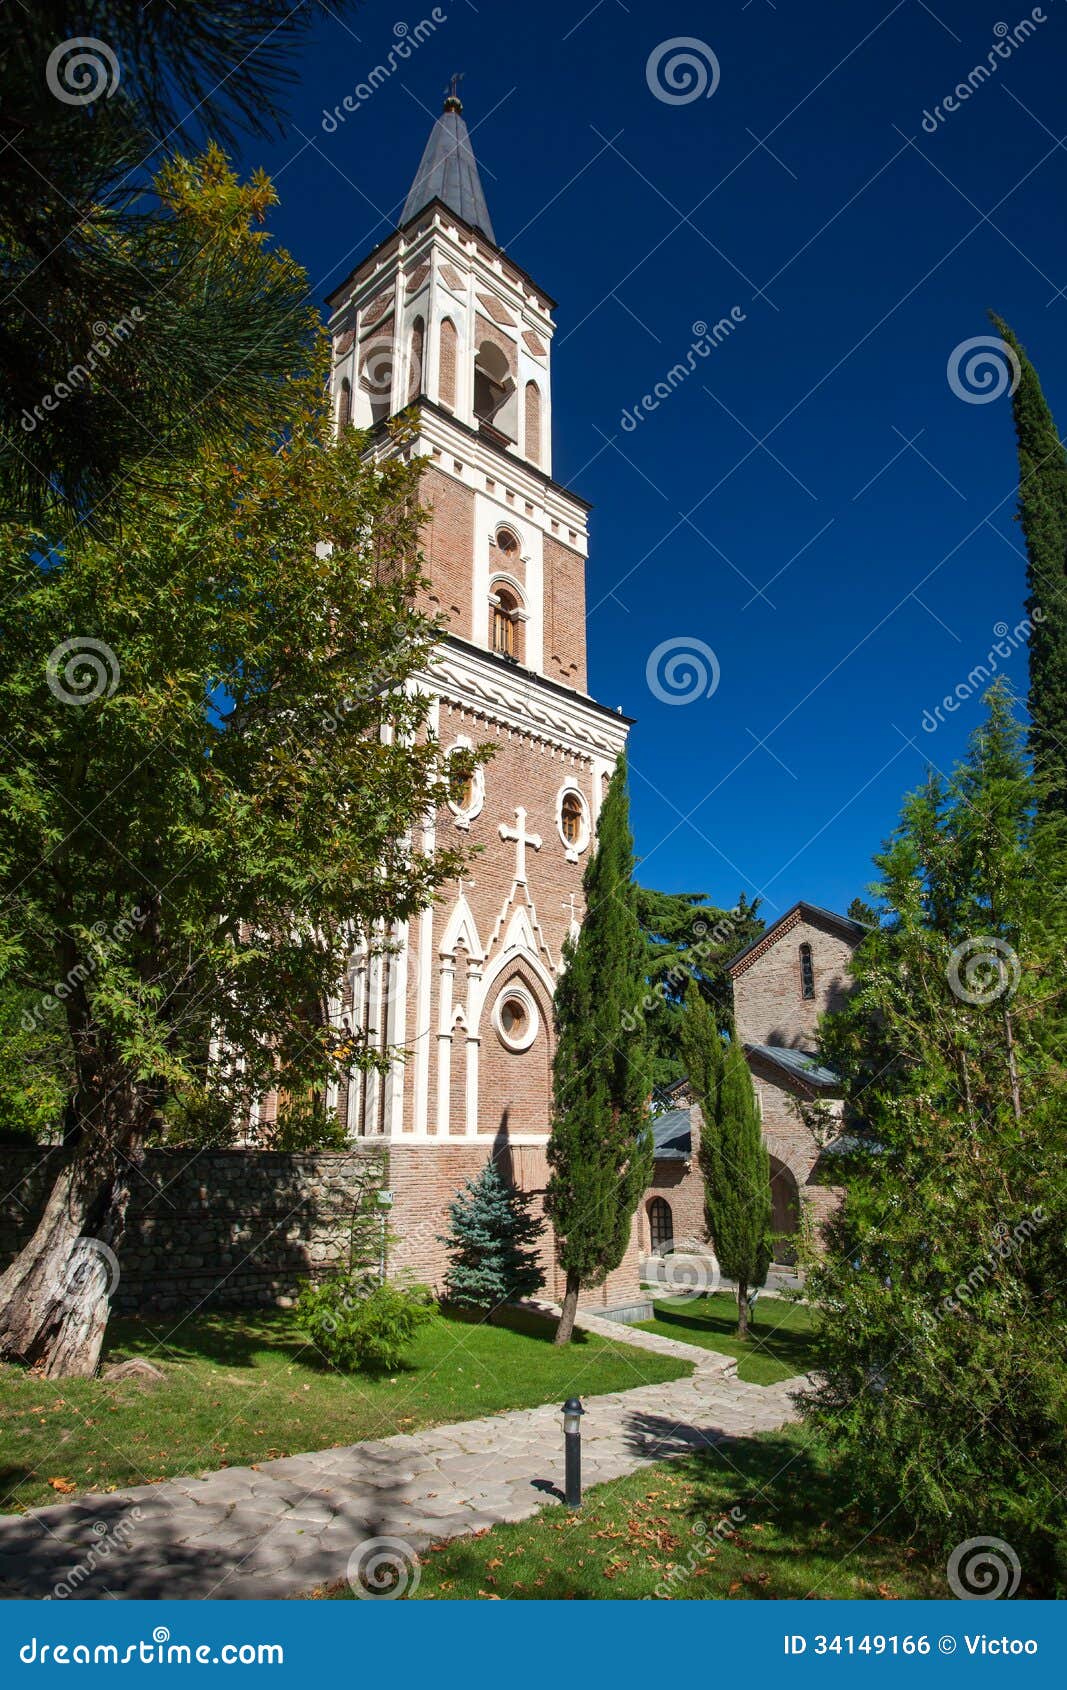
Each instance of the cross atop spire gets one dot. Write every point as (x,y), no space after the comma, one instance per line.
(449,172)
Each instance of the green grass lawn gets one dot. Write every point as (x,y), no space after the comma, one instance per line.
(779,1341)
(667,1531)
(245,1387)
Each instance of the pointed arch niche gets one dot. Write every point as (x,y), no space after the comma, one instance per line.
(461,959)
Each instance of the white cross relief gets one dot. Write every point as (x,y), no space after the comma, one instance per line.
(568,904)
(461,882)
(522,839)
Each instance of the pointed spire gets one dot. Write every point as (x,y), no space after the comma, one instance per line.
(449,171)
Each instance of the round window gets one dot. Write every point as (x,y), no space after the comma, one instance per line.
(516,1018)
(513,1018)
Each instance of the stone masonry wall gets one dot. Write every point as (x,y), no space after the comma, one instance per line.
(242,1228)
(233,1228)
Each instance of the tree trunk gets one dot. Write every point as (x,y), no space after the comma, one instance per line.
(742,1309)
(55,1297)
(570,1308)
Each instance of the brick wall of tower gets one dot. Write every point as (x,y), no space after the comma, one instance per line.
(564,614)
(769,1004)
(448,549)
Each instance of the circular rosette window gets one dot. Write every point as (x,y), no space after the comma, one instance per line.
(515,1017)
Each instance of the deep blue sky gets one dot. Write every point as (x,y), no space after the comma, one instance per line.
(889,564)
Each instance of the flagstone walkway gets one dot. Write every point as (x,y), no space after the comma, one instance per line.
(283,1527)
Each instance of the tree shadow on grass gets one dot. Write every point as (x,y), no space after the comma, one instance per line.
(765,1518)
(801,1533)
(237,1338)
(779,1343)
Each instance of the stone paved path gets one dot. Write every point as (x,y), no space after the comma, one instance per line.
(284,1527)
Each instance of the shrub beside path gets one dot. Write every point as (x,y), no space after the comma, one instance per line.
(283,1527)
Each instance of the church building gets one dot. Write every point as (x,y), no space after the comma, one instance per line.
(440,319)
(797,970)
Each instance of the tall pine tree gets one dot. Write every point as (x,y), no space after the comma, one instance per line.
(600,1151)
(942,1296)
(733,1158)
(1043,516)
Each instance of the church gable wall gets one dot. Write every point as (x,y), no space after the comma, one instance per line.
(769,1004)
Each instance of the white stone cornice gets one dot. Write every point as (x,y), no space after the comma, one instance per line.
(518,700)
(550,502)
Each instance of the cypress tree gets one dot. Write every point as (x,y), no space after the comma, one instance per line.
(1043,516)
(492,1243)
(733,1158)
(600,1151)
(701,1049)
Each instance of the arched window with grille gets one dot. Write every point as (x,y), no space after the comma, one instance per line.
(660,1226)
(807,972)
(571,817)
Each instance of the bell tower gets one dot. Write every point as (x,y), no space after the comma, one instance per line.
(438,321)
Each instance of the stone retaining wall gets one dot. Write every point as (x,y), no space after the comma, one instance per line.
(233,1228)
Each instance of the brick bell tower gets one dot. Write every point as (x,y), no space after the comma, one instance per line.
(438,318)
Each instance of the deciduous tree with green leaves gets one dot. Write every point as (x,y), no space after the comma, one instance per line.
(941,1296)
(216,769)
(600,1150)
(733,1159)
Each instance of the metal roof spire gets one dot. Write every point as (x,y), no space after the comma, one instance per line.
(449,172)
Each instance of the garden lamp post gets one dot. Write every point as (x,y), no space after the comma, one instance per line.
(572,1447)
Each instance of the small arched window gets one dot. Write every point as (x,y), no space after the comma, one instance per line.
(504,623)
(533,422)
(507,543)
(344,404)
(446,377)
(807,972)
(660,1226)
(571,817)
(418,343)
